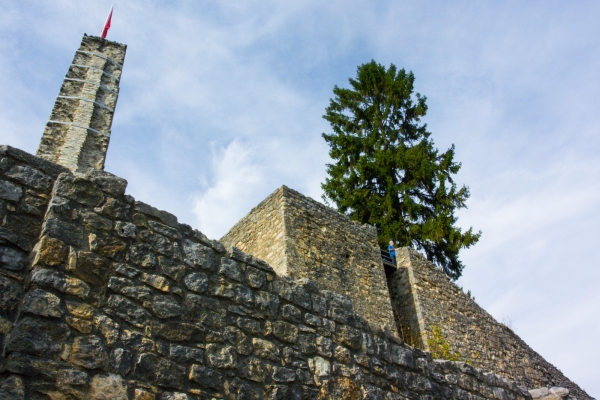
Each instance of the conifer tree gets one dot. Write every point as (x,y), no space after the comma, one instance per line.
(386,171)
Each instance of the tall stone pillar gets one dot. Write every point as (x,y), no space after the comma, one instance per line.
(78,132)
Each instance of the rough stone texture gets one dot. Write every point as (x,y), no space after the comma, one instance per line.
(203,323)
(78,132)
(25,190)
(424,298)
(302,238)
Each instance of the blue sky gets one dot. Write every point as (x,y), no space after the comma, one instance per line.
(221,103)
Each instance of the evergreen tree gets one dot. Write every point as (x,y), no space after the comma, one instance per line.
(386,170)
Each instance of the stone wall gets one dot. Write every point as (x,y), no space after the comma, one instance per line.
(25,188)
(425,300)
(79,128)
(262,233)
(303,238)
(123,302)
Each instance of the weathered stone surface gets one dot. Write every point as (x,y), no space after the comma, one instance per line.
(143,255)
(121,361)
(165,307)
(136,341)
(140,394)
(52,251)
(12,388)
(183,353)
(87,352)
(79,324)
(156,281)
(319,366)
(92,221)
(5,326)
(125,229)
(220,356)
(128,288)
(164,216)
(242,343)
(307,344)
(402,356)
(107,246)
(108,182)
(230,269)
(108,386)
(254,369)
(10,191)
(58,281)
(42,303)
(37,337)
(265,349)
(160,243)
(196,282)
(114,209)
(282,374)
(160,371)
(127,270)
(128,310)
(291,313)
(164,230)
(173,269)
(239,390)
(11,259)
(348,336)
(10,293)
(267,303)
(255,277)
(69,232)
(93,268)
(72,377)
(30,177)
(206,377)
(78,189)
(199,255)
(285,331)
(108,328)
(174,396)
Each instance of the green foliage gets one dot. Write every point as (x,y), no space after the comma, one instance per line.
(439,346)
(386,170)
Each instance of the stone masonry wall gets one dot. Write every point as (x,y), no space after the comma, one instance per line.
(342,255)
(302,238)
(123,302)
(261,233)
(423,291)
(25,187)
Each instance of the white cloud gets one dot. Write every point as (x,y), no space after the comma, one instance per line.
(236,176)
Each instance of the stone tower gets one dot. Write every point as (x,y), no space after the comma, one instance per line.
(78,132)
(301,238)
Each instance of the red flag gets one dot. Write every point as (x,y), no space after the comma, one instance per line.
(107,24)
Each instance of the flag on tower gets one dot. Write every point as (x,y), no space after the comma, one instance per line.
(107,24)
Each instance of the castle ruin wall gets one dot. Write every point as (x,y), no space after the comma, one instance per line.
(303,238)
(426,300)
(120,301)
